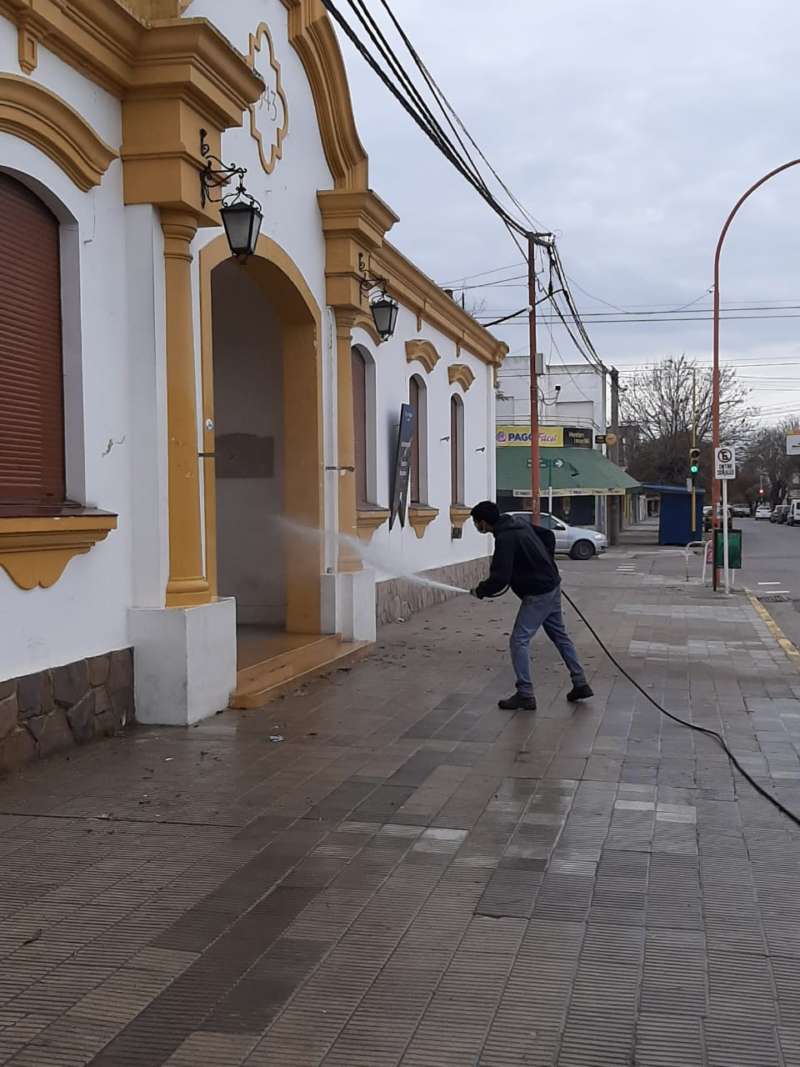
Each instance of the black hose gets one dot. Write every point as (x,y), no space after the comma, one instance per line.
(683,722)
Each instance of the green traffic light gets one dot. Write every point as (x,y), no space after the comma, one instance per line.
(694,469)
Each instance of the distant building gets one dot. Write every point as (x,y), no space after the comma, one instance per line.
(572,413)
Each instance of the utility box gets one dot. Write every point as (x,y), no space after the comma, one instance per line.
(734,549)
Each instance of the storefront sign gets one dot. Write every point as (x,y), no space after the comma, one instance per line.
(402,466)
(549,436)
(522,493)
(577,437)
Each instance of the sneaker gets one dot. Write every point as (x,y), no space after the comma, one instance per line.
(580,692)
(517,703)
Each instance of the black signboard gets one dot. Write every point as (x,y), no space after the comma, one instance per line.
(402,465)
(577,437)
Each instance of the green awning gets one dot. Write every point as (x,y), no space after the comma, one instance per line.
(570,471)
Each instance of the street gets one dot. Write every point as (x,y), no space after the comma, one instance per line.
(385,869)
(771,569)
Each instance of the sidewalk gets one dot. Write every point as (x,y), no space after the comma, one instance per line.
(411,876)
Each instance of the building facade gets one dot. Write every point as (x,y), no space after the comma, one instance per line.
(572,412)
(194,448)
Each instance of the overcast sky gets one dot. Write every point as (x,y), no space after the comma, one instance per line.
(629,129)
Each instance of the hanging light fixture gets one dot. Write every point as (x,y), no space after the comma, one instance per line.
(383,307)
(384,314)
(240,212)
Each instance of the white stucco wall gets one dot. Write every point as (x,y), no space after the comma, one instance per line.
(115,365)
(399,550)
(85,611)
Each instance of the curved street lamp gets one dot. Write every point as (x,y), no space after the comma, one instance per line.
(715,372)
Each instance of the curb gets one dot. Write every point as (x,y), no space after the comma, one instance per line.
(788,647)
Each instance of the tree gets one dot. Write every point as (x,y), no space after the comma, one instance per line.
(660,403)
(765,460)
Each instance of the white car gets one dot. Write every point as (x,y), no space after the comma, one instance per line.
(574,541)
(763,511)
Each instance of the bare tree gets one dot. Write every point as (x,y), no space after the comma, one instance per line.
(659,403)
(766,459)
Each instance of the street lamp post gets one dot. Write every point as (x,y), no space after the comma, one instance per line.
(715,493)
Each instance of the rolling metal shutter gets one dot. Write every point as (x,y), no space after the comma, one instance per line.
(31,374)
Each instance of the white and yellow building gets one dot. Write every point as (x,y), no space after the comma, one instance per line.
(163,404)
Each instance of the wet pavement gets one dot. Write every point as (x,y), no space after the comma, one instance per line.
(386,869)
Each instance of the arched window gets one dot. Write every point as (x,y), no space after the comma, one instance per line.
(360,424)
(418,399)
(32,466)
(456,450)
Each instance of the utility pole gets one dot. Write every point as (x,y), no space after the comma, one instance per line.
(535,473)
(534,239)
(694,446)
(615,502)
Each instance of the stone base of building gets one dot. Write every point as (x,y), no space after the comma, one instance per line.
(56,709)
(398,598)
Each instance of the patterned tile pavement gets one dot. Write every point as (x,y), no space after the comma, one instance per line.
(413,877)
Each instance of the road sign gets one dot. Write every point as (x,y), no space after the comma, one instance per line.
(724,463)
(793,444)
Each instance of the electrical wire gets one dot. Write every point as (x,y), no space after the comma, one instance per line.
(683,722)
(432,131)
(447,107)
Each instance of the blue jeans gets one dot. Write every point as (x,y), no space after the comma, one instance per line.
(534,612)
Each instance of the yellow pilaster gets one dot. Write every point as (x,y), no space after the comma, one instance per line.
(349,559)
(187,581)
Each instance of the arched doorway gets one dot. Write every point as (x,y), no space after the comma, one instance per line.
(263,443)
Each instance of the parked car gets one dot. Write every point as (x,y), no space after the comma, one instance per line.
(707,516)
(779,513)
(763,511)
(793,515)
(740,511)
(575,541)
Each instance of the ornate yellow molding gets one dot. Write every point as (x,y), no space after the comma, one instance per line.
(27,46)
(313,37)
(276,152)
(368,520)
(415,291)
(461,374)
(420,516)
(354,225)
(40,117)
(424,352)
(35,551)
(458,515)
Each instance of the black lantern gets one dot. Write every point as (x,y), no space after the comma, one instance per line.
(242,222)
(241,213)
(384,314)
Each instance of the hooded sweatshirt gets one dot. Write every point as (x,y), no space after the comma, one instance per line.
(521,559)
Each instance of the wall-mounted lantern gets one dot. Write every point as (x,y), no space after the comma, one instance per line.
(240,212)
(383,307)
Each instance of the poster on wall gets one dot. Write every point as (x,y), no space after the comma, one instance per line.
(401,474)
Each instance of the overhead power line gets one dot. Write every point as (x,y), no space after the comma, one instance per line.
(453,145)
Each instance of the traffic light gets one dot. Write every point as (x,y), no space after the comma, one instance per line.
(694,462)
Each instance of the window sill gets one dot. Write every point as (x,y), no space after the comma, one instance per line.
(459,514)
(35,549)
(420,516)
(368,519)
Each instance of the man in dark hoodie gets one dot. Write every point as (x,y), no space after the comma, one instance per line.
(524,560)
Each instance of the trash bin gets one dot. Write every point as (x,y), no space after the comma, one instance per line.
(734,549)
